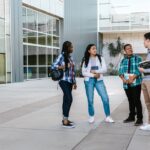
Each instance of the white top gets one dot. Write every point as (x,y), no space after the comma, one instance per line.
(86,71)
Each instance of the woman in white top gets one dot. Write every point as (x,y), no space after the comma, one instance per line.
(93,67)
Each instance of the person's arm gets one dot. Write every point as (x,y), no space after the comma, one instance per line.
(86,72)
(57,63)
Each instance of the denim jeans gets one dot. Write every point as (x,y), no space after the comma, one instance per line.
(67,97)
(101,89)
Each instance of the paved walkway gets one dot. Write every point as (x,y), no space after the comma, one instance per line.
(30,119)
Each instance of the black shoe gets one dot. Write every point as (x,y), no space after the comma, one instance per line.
(138,122)
(67,125)
(129,119)
(71,122)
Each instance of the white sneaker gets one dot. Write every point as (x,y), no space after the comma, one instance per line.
(91,119)
(145,127)
(109,120)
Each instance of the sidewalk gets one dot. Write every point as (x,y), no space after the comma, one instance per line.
(30,119)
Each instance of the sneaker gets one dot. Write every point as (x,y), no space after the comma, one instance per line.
(71,122)
(109,120)
(138,122)
(68,125)
(129,119)
(91,119)
(145,127)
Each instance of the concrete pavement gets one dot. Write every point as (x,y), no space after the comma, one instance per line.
(30,119)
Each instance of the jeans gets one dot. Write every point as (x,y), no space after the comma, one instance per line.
(134,98)
(67,97)
(101,89)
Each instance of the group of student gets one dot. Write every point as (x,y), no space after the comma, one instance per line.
(93,66)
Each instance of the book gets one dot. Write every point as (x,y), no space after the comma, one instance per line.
(145,64)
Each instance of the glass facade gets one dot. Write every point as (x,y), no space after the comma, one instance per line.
(41,42)
(116,15)
(5,51)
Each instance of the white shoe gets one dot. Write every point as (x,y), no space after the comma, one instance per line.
(109,120)
(91,119)
(145,127)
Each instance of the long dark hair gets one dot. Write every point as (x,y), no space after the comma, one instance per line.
(87,55)
(65,52)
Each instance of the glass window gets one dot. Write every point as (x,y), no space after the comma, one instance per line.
(56,41)
(25,72)
(55,54)
(56,27)
(49,24)
(32,72)
(32,55)
(24,17)
(25,56)
(49,40)
(42,56)
(49,56)
(32,37)
(2,69)
(2,35)
(41,39)
(25,36)
(41,22)
(31,19)
(42,72)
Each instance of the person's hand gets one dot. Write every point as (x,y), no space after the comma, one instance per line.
(92,71)
(125,81)
(61,67)
(97,75)
(74,86)
(141,70)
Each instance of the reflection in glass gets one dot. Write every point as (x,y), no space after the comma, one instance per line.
(55,27)
(49,24)
(56,41)
(32,19)
(32,55)
(41,22)
(32,72)
(49,40)
(49,56)
(32,37)
(42,39)
(42,56)
(42,72)
(25,36)
(25,55)
(55,54)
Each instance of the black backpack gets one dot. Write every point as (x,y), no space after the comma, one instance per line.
(57,74)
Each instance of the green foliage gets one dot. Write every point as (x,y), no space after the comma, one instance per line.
(115,50)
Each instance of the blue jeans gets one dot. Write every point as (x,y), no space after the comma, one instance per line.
(101,89)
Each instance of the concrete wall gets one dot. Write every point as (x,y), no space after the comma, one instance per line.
(80,25)
(55,7)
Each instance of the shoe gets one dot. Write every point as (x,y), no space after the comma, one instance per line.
(109,120)
(138,122)
(68,125)
(145,127)
(129,119)
(71,122)
(91,119)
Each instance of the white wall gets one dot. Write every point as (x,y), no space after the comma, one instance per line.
(55,7)
(136,39)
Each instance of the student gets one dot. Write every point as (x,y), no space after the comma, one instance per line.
(131,78)
(146,81)
(68,82)
(93,68)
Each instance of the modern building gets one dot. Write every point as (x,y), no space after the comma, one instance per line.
(102,21)
(30,38)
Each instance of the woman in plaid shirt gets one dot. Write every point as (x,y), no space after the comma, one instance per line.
(68,82)
(132,78)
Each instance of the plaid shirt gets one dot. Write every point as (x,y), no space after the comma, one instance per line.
(69,74)
(134,62)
